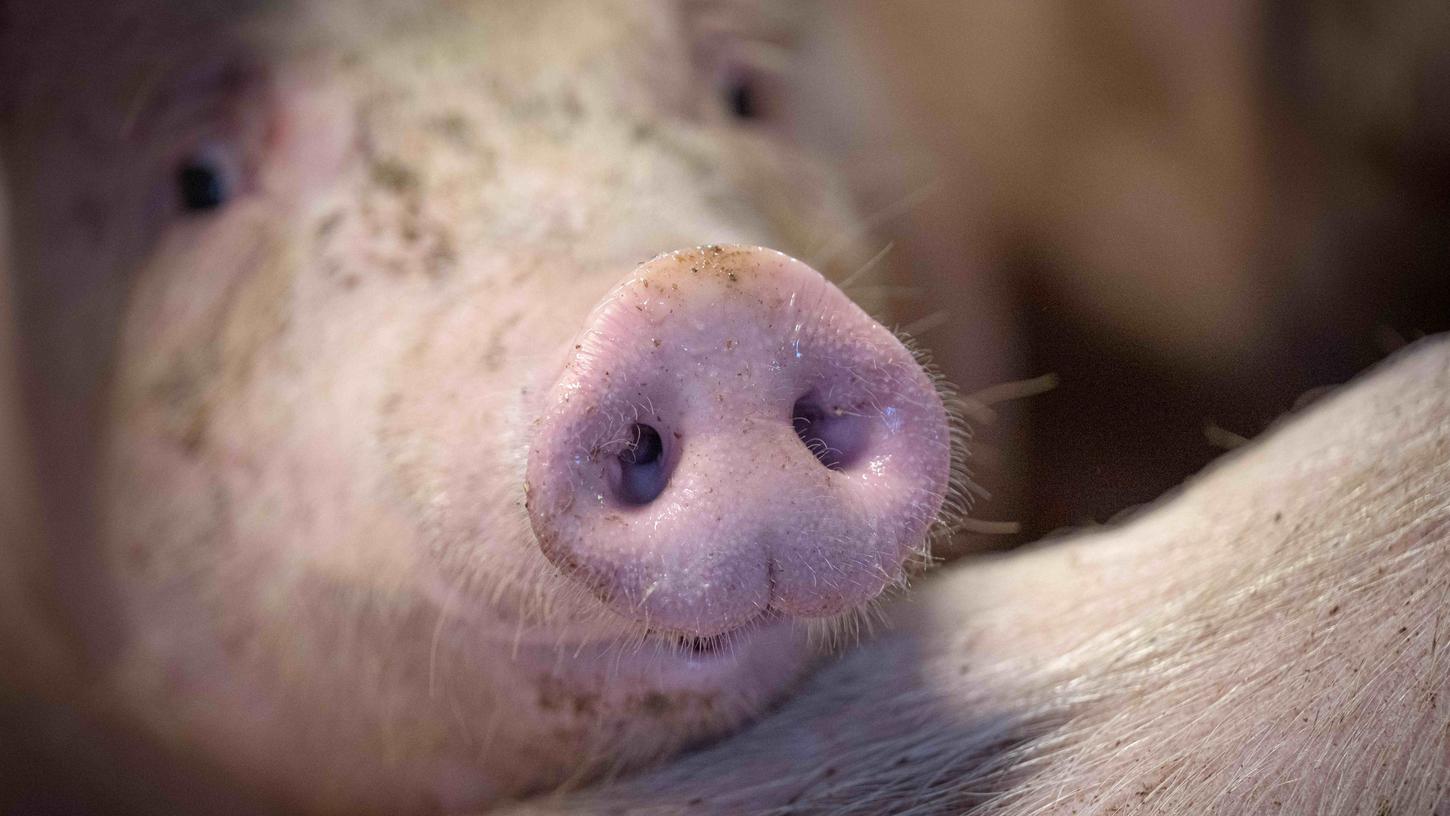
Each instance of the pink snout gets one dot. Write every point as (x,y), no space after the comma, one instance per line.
(732,437)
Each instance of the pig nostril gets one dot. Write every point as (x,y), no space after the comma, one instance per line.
(645,447)
(836,434)
(640,475)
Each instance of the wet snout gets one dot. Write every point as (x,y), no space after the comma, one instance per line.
(732,437)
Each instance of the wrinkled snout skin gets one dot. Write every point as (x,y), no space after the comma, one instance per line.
(325,381)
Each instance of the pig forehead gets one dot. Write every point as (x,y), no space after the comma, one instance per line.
(127,40)
(365,22)
(501,36)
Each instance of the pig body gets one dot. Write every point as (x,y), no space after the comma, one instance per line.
(295,283)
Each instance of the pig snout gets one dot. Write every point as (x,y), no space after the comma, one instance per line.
(730,438)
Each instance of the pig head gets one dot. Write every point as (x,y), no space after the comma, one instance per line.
(395,478)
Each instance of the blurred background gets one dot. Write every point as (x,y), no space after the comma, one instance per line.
(1194,216)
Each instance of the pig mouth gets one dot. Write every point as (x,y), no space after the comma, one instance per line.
(751,663)
(701,646)
(705,646)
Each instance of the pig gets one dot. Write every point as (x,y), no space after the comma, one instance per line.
(418,419)
(1270,639)
(311,303)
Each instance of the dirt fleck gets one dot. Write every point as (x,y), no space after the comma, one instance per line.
(328,224)
(393,174)
(585,705)
(455,127)
(493,355)
(656,704)
(410,232)
(186,391)
(441,257)
(643,131)
(571,106)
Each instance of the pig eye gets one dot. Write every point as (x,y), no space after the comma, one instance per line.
(741,98)
(744,55)
(746,93)
(205,181)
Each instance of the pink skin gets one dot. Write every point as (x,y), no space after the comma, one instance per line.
(733,357)
(313,566)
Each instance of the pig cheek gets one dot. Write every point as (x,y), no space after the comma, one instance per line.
(169,491)
(211,401)
(200,319)
(451,433)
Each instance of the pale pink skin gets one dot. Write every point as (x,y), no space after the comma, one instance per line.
(318,569)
